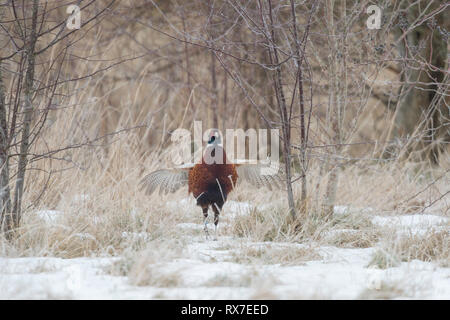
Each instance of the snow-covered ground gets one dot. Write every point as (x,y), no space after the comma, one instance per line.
(206,269)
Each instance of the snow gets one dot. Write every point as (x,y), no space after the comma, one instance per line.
(49,216)
(412,224)
(206,269)
(135,235)
(236,208)
(410,221)
(340,210)
(342,274)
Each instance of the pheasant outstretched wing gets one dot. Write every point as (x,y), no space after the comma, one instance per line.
(260,174)
(168,180)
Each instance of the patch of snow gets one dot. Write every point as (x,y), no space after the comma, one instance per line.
(410,221)
(49,216)
(190,226)
(412,224)
(51,278)
(80,198)
(205,274)
(184,204)
(84,236)
(236,208)
(341,210)
(135,235)
(206,269)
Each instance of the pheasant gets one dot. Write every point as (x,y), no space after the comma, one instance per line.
(210,181)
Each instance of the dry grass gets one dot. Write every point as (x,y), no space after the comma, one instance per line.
(263,225)
(349,229)
(97,215)
(104,213)
(274,254)
(251,278)
(383,259)
(354,239)
(352,230)
(390,187)
(429,246)
(95,186)
(147,267)
(432,246)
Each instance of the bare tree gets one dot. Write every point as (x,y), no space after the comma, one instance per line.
(29,36)
(30,53)
(267,52)
(422,112)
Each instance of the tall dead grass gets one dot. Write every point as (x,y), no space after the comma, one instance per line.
(100,209)
(430,246)
(93,182)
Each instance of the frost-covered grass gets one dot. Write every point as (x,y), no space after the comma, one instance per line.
(184,265)
(99,236)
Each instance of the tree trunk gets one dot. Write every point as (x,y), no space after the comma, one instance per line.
(5,195)
(300,57)
(337,91)
(421,113)
(214,99)
(28,116)
(285,118)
